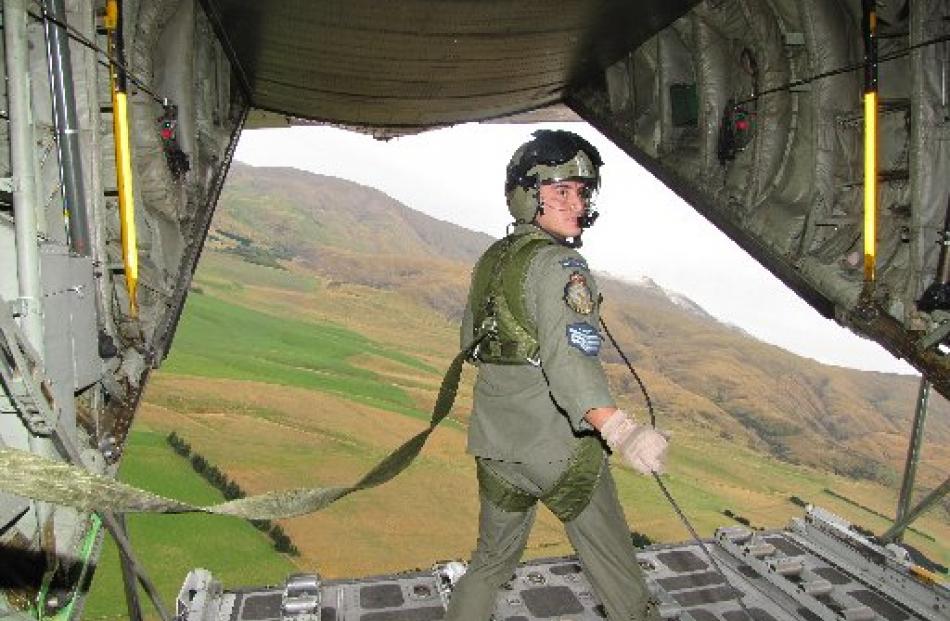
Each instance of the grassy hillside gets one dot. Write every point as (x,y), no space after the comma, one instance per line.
(217,339)
(306,212)
(358,241)
(851,422)
(715,456)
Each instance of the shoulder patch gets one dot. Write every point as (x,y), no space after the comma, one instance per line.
(577,294)
(573,263)
(584,337)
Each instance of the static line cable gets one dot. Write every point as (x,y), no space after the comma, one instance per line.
(110,59)
(633,371)
(846,69)
(699,542)
(663,488)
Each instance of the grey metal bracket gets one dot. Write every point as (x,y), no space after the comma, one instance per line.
(931,499)
(18,307)
(777,568)
(24,378)
(940,332)
(913,452)
(794,39)
(830,537)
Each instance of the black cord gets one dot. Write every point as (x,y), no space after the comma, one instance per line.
(636,376)
(847,69)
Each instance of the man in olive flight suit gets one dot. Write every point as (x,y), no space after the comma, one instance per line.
(542,403)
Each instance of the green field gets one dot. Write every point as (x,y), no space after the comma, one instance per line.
(218,339)
(171,545)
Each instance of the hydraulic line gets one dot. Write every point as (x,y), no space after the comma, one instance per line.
(67,128)
(123,154)
(870,139)
(88,546)
(85,555)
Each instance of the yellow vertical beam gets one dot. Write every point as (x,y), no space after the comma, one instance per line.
(869,26)
(123,169)
(870,185)
(123,155)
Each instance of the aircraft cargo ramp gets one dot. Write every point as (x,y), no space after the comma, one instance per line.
(819,567)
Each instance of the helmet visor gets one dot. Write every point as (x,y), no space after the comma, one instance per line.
(578,168)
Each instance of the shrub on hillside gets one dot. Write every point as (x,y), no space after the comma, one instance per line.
(640,540)
(282,542)
(261,525)
(772,430)
(178,444)
(857,466)
(231,491)
(199,463)
(738,518)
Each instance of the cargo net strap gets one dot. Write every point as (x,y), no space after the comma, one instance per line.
(40,478)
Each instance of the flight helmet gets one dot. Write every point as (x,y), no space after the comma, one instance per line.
(550,156)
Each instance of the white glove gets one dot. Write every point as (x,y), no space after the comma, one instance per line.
(640,447)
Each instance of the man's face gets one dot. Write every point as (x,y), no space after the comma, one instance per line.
(562,202)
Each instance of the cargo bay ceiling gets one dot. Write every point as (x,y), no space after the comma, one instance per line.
(420,63)
(664,80)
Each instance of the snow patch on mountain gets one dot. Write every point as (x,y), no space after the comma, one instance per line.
(675,297)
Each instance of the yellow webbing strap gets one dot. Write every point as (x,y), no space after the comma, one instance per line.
(32,476)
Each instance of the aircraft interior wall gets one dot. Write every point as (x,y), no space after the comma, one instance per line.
(722,107)
(90,353)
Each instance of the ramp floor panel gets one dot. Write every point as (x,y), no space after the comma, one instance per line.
(779,575)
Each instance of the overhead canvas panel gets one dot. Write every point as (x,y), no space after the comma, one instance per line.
(427,62)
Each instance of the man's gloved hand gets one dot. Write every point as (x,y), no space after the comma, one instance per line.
(640,446)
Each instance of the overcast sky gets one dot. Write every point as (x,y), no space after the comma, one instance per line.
(457,174)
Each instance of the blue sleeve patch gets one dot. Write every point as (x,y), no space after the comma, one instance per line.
(573,263)
(584,337)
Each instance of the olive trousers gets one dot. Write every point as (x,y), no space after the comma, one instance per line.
(599,535)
